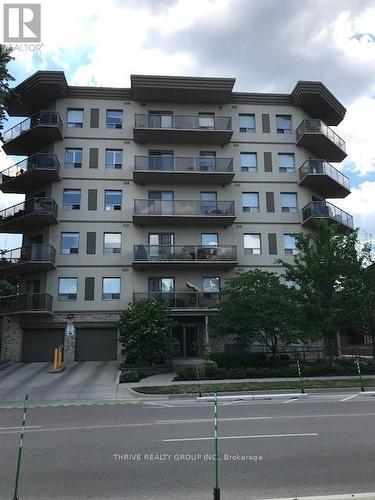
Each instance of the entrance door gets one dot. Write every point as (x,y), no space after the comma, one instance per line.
(185,341)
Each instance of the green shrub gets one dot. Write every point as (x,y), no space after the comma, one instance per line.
(233,360)
(187,373)
(209,368)
(130,376)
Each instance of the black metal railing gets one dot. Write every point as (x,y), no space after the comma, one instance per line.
(43,161)
(183,164)
(26,303)
(316,126)
(318,167)
(42,206)
(51,118)
(184,207)
(187,300)
(327,210)
(31,253)
(188,253)
(183,122)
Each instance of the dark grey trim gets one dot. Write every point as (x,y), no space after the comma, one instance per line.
(92,200)
(96,179)
(94,118)
(98,221)
(97,266)
(267,162)
(89,288)
(90,243)
(266,127)
(272,244)
(270,201)
(94,158)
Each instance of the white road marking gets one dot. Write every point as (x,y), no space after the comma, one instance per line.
(19,427)
(162,405)
(255,436)
(293,400)
(349,397)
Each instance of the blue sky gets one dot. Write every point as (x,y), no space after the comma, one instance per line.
(266,45)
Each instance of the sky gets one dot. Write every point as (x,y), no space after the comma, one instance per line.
(267,45)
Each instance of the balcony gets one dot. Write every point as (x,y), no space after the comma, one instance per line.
(324,210)
(324,179)
(33,133)
(182,300)
(183,211)
(27,175)
(184,256)
(28,215)
(321,140)
(183,170)
(34,303)
(183,129)
(27,259)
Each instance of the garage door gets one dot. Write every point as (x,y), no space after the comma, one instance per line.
(38,345)
(96,344)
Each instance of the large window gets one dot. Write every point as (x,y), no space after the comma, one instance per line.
(113,158)
(211,285)
(247,123)
(210,239)
(72,199)
(288,202)
(286,162)
(73,157)
(111,288)
(250,202)
(161,284)
(114,118)
(290,244)
(112,243)
(68,288)
(69,243)
(206,120)
(112,199)
(284,124)
(252,243)
(75,118)
(249,162)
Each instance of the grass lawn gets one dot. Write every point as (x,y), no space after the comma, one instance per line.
(254,386)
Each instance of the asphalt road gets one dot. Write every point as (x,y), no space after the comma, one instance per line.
(162,449)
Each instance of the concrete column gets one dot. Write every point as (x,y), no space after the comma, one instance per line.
(69,347)
(11,339)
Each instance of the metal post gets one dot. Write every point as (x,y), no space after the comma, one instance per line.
(197,368)
(15,497)
(216,487)
(300,377)
(360,375)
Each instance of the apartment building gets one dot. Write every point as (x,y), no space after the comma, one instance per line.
(164,189)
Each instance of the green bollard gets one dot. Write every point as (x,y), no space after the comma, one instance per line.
(300,377)
(216,487)
(15,496)
(360,375)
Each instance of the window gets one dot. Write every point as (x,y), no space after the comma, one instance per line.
(290,244)
(210,239)
(247,123)
(112,243)
(72,199)
(111,288)
(112,200)
(206,120)
(207,160)
(159,160)
(249,162)
(161,285)
(69,243)
(114,118)
(160,119)
(211,285)
(73,157)
(286,162)
(289,202)
(68,289)
(284,124)
(75,118)
(250,202)
(208,202)
(252,243)
(113,158)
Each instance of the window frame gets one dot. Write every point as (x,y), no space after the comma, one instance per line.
(74,164)
(71,124)
(112,252)
(284,130)
(211,278)
(112,293)
(73,206)
(114,125)
(64,233)
(250,209)
(114,165)
(289,209)
(62,295)
(111,207)
(246,130)
(288,170)
(245,168)
(252,250)
(290,250)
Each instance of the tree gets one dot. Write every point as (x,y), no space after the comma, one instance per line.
(145,332)
(5,77)
(325,273)
(7,287)
(256,306)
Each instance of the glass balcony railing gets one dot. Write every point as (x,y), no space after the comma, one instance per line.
(183,164)
(24,303)
(181,300)
(47,118)
(188,253)
(30,253)
(316,126)
(324,209)
(36,206)
(43,161)
(183,122)
(184,207)
(321,167)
